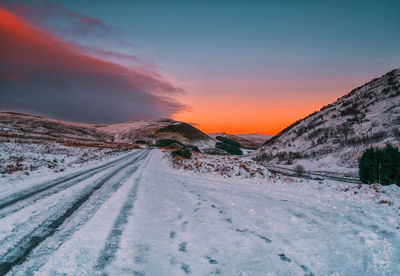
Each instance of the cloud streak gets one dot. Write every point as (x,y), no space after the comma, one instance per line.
(57,18)
(42,74)
(72,26)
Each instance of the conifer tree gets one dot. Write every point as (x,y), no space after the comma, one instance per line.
(380,165)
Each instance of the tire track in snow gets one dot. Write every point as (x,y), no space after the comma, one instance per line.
(57,188)
(33,240)
(83,216)
(39,221)
(25,194)
(107,255)
(70,227)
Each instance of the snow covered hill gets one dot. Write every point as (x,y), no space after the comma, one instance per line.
(339,132)
(151,130)
(127,132)
(32,145)
(256,138)
(19,123)
(247,144)
(29,144)
(248,141)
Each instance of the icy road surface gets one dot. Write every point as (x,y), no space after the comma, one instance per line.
(136,216)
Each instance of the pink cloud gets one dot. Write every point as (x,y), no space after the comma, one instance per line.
(56,78)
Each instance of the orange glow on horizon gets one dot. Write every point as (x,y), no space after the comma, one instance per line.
(272,106)
(218,118)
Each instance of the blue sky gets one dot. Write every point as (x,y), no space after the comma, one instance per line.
(262,37)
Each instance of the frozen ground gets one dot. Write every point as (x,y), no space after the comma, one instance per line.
(237,167)
(139,216)
(27,159)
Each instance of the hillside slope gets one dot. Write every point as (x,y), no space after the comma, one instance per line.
(19,123)
(246,143)
(29,142)
(152,130)
(368,115)
(13,123)
(256,138)
(33,145)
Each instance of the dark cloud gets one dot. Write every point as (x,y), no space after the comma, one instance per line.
(40,73)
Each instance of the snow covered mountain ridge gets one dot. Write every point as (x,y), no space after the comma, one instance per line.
(339,132)
(128,132)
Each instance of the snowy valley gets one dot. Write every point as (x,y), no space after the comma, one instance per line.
(84,199)
(136,215)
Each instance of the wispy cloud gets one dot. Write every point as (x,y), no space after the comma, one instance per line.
(43,74)
(54,16)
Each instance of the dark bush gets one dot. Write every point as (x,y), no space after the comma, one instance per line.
(282,156)
(366,139)
(167,142)
(184,153)
(396,133)
(215,151)
(228,148)
(193,148)
(263,157)
(352,110)
(323,131)
(386,90)
(391,81)
(299,170)
(228,141)
(380,165)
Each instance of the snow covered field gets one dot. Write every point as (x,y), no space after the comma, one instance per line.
(136,215)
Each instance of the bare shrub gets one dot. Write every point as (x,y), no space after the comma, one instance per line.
(299,170)
(384,201)
(244,167)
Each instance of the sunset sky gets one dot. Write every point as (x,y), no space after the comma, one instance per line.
(231,66)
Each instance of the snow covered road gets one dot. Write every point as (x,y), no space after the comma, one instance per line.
(137,216)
